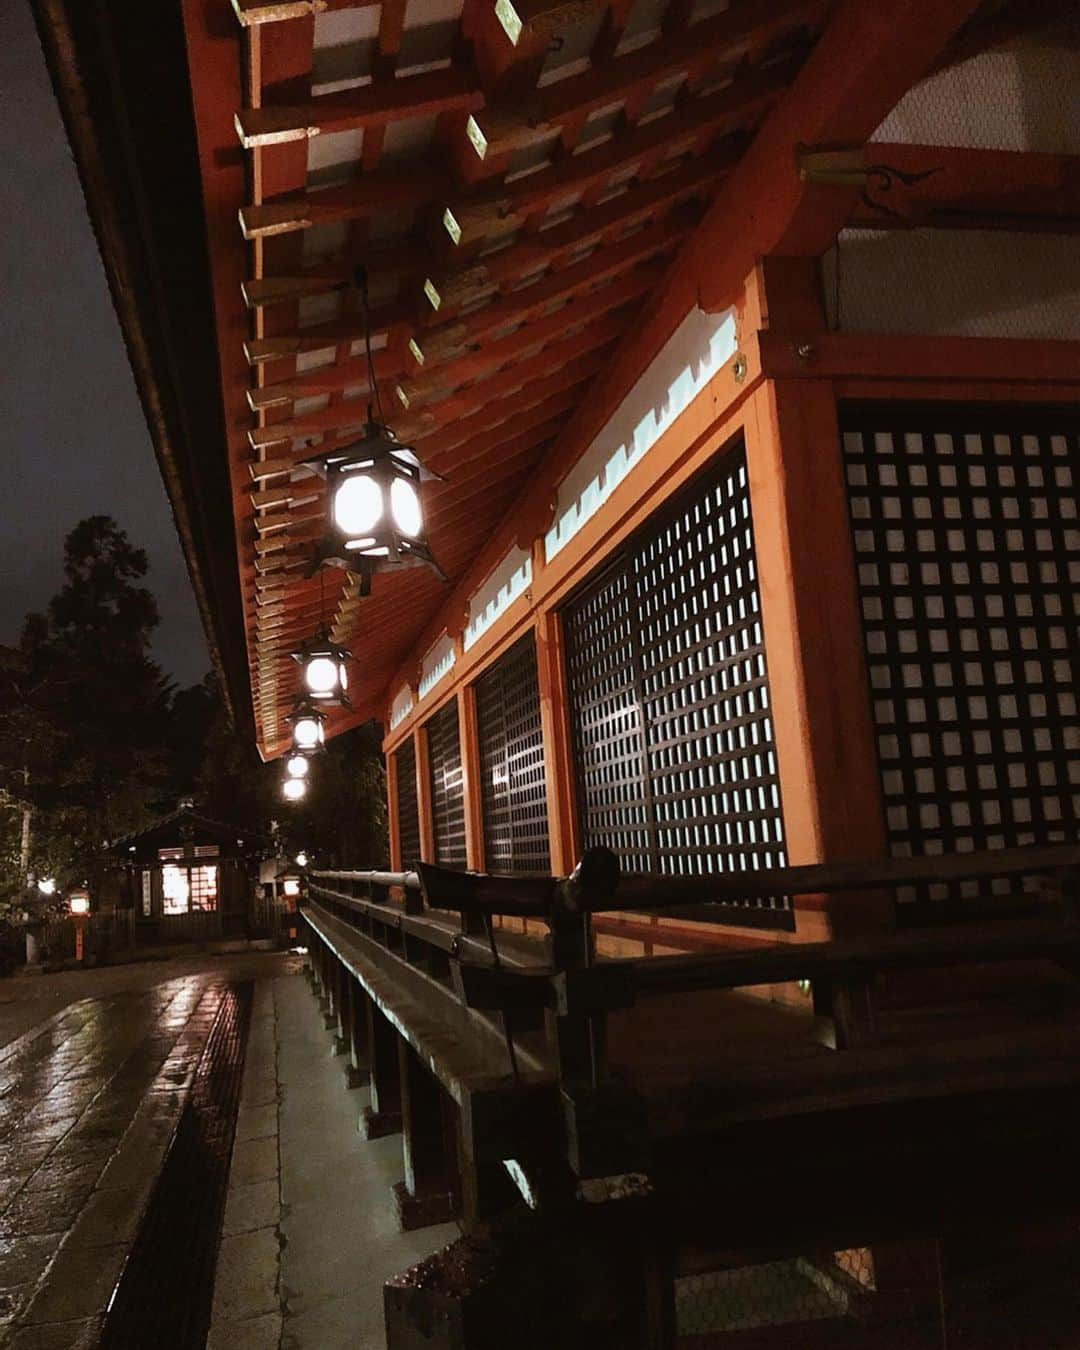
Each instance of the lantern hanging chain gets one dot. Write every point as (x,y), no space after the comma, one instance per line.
(373,388)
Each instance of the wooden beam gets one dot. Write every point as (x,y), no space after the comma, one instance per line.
(525,21)
(435,417)
(544,248)
(373,105)
(738,105)
(968,189)
(867,59)
(726,37)
(530,300)
(361,198)
(450,368)
(335,333)
(343,375)
(817,355)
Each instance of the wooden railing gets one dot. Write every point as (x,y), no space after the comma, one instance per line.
(560,982)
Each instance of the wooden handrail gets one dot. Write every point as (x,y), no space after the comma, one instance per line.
(406,880)
(596,885)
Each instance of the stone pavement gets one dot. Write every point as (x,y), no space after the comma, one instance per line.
(89,1100)
(310,1230)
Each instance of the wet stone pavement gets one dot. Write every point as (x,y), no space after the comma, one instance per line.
(89,1102)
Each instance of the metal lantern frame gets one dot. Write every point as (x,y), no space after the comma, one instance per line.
(307,708)
(380,457)
(319,648)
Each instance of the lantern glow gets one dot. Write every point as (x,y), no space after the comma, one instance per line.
(79,902)
(323,670)
(296,766)
(294,789)
(375,518)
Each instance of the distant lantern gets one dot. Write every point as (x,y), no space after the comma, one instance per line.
(308,732)
(47,886)
(294,789)
(323,670)
(374,515)
(79,902)
(301,859)
(291,886)
(296,766)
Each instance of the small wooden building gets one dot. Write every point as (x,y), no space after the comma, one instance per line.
(190,878)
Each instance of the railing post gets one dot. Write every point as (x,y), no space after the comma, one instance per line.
(383,1115)
(426,1196)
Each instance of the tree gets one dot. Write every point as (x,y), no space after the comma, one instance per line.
(84,710)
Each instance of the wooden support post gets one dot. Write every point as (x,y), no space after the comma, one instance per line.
(555,729)
(343,1038)
(423,794)
(383,1115)
(824,731)
(333,995)
(470,779)
(393,818)
(357,1071)
(426,1196)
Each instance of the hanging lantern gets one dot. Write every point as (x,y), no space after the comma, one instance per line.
(296,766)
(294,789)
(323,670)
(374,515)
(308,732)
(301,859)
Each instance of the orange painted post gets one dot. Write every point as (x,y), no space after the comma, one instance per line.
(470,778)
(423,794)
(555,727)
(813,641)
(393,819)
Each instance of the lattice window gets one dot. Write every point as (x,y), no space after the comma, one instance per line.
(673,738)
(407,804)
(968,551)
(513,784)
(447,787)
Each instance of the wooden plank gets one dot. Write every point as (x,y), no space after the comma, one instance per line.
(373,105)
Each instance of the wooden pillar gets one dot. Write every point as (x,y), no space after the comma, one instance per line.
(558,761)
(423,794)
(813,644)
(383,1115)
(471,779)
(393,818)
(426,1196)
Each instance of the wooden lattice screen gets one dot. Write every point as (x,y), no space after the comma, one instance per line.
(964,523)
(669,697)
(514,791)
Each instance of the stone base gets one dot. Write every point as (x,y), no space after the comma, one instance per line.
(339,1045)
(356,1076)
(329,1020)
(421,1211)
(378,1124)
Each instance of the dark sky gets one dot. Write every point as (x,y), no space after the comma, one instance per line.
(73,441)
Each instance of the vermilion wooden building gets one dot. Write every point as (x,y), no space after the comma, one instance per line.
(746,338)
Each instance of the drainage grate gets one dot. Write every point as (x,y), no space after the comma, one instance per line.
(165,1293)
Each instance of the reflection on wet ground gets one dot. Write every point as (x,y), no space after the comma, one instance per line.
(89,1101)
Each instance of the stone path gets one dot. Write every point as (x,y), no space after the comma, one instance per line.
(311,1233)
(89,1100)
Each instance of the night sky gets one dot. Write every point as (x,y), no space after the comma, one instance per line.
(73,441)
